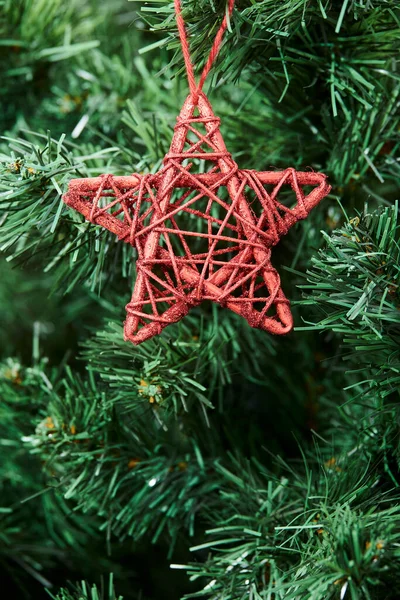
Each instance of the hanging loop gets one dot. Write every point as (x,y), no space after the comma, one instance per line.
(195,88)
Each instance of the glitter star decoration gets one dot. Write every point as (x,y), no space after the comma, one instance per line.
(203,229)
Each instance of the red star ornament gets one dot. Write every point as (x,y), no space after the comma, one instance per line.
(204,235)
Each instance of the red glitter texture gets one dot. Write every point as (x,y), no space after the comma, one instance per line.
(202,235)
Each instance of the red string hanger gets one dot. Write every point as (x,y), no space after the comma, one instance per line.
(203,228)
(195,89)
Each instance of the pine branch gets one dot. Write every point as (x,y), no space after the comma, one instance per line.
(119,465)
(31,547)
(188,365)
(270,537)
(353,282)
(84,591)
(287,41)
(32,225)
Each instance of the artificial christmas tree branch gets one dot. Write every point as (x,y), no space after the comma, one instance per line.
(275,460)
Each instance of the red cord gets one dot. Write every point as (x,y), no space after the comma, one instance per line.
(195,89)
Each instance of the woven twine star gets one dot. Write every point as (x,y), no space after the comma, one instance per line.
(200,236)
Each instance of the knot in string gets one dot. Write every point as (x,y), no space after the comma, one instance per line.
(195,88)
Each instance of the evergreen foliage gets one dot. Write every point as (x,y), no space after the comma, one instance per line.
(255,467)
(85,592)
